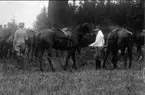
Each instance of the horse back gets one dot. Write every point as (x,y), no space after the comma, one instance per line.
(46,35)
(119,37)
(31,38)
(113,34)
(64,33)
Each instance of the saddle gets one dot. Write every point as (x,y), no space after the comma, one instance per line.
(64,33)
(67,32)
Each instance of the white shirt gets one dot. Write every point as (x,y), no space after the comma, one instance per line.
(99,42)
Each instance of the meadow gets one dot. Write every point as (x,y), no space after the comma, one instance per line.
(86,81)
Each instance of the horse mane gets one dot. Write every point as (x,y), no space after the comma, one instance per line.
(83,28)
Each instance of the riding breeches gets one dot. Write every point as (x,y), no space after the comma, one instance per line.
(20,49)
(98,52)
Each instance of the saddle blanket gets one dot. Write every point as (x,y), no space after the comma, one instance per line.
(99,42)
(66,31)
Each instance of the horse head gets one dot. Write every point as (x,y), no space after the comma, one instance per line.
(83,29)
(138,38)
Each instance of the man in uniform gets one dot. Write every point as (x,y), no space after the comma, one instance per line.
(20,39)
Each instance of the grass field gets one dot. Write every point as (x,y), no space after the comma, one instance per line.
(86,81)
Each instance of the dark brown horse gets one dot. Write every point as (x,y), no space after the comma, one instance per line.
(31,43)
(55,38)
(139,41)
(119,39)
(4,35)
(8,47)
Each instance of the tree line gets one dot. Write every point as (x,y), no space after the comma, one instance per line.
(123,13)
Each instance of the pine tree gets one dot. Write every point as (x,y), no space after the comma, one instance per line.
(57,12)
(42,20)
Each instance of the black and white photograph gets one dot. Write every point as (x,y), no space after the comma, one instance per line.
(72,47)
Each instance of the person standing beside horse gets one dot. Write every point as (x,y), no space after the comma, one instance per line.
(19,43)
(140,41)
(98,46)
(119,40)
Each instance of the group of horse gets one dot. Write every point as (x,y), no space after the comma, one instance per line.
(73,40)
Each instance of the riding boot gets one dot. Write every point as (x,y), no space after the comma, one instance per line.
(129,66)
(18,61)
(66,64)
(103,66)
(74,66)
(98,64)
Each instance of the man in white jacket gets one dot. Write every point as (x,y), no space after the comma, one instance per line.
(98,45)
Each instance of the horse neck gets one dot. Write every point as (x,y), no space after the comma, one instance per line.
(81,35)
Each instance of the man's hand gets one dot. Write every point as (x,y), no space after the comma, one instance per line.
(92,47)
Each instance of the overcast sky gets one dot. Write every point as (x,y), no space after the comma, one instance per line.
(23,11)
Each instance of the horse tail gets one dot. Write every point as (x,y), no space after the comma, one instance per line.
(130,35)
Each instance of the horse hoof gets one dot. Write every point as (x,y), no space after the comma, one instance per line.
(75,68)
(64,69)
(97,68)
(41,70)
(53,70)
(103,67)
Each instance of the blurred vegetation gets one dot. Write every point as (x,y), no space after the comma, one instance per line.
(128,14)
(42,20)
(9,30)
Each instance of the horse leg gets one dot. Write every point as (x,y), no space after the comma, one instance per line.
(57,53)
(31,59)
(67,59)
(33,54)
(33,49)
(49,59)
(130,56)
(0,53)
(106,56)
(123,55)
(74,60)
(139,51)
(28,53)
(10,52)
(66,62)
(114,59)
(39,53)
(40,60)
